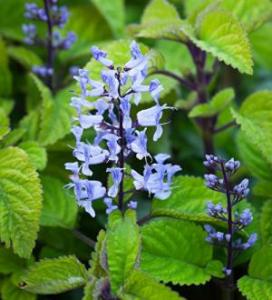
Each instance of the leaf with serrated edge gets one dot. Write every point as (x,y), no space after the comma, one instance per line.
(219,33)
(163,259)
(54,276)
(122,244)
(188,200)
(161,21)
(20,201)
(255,118)
(258,283)
(36,153)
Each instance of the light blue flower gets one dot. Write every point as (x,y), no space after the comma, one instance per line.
(110,206)
(101,56)
(116,175)
(139,145)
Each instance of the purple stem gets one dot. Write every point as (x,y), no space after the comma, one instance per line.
(121,154)
(229,265)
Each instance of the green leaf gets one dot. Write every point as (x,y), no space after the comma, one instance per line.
(7,105)
(114,13)
(10,262)
(252,159)
(260,41)
(11,292)
(20,201)
(265,222)
(24,56)
(4,124)
(188,200)
(36,153)
(141,286)
(55,116)
(215,106)
(122,244)
(161,21)
(163,259)
(258,283)
(255,119)
(219,33)
(98,256)
(54,276)
(251,13)
(59,206)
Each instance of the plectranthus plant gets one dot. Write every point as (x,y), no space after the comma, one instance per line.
(236,221)
(105,106)
(54,17)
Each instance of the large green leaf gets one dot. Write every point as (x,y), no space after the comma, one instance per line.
(161,21)
(36,153)
(53,276)
(59,206)
(122,244)
(11,292)
(114,13)
(251,13)
(187,201)
(256,164)
(216,105)
(219,33)
(258,283)
(56,114)
(255,118)
(20,201)
(171,252)
(10,262)
(140,286)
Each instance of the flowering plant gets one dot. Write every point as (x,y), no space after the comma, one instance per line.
(93,203)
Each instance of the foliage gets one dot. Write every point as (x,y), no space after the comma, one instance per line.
(213,62)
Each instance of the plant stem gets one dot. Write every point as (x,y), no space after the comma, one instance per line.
(86,240)
(201,82)
(182,81)
(121,154)
(50,47)
(224,127)
(229,265)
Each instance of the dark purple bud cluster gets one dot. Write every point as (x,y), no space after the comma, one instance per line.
(236,221)
(55,17)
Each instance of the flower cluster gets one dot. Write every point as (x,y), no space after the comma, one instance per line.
(55,17)
(236,221)
(118,135)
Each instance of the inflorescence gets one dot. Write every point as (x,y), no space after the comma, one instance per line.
(234,194)
(118,135)
(55,17)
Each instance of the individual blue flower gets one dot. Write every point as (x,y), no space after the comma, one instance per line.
(110,206)
(101,56)
(88,121)
(125,107)
(109,77)
(139,145)
(151,117)
(30,32)
(132,204)
(116,175)
(113,146)
(155,89)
